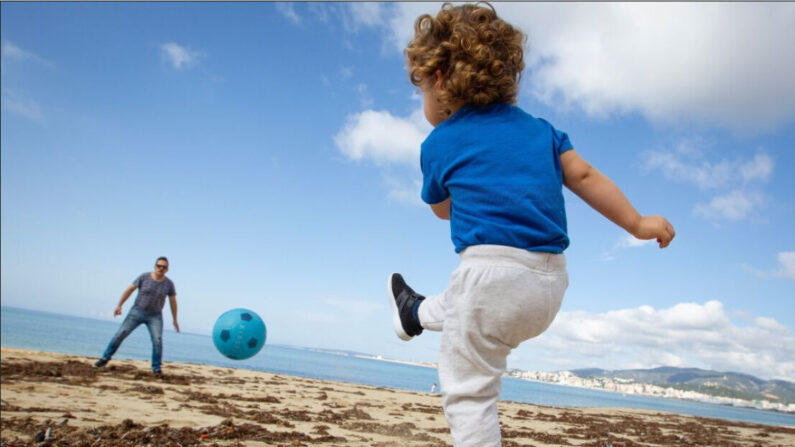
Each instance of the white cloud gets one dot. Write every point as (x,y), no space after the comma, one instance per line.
(770,324)
(669,359)
(26,107)
(686,164)
(737,179)
(11,51)
(627,241)
(354,16)
(759,168)
(178,56)
(382,137)
(693,316)
(288,11)
(400,22)
(692,334)
(631,241)
(671,62)
(367,13)
(787,260)
(786,269)
(388,140)
(735,205)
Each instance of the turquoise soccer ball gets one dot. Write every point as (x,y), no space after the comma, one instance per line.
(239,334)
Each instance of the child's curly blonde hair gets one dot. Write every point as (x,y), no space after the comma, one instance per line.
(480,56)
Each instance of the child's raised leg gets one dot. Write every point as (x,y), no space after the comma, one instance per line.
(431,313)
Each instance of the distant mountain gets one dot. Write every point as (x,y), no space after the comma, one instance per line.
(715,383)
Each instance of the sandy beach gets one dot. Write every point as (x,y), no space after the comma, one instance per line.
(62,400)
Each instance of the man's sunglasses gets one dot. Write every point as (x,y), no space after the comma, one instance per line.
(161,266)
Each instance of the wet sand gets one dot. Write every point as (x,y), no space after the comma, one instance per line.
(53,399)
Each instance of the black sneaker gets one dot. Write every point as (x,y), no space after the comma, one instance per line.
(402,299)
(157,373)
(100,363)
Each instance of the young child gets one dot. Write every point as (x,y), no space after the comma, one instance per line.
(496,173)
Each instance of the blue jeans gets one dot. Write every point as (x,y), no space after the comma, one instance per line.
(134,319)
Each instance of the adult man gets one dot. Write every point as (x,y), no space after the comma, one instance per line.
(148,309)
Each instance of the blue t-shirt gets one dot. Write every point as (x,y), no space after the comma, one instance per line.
(501,168)
(152,294)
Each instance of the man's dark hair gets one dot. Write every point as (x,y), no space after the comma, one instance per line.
(162,258)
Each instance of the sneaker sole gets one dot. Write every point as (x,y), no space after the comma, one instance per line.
(396,324)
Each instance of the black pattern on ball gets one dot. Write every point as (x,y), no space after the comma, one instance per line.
(245,316)
(225,335)
(252,343)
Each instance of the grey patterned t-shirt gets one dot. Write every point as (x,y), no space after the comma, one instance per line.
(152,294)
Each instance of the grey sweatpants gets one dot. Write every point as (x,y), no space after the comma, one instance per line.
(498,297)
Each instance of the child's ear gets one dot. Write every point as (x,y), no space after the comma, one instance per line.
(437,78)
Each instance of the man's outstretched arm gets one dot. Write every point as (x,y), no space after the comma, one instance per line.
(126,294)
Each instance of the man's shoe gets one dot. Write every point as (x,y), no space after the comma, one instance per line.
(157,373)
(100,363)
(402,299)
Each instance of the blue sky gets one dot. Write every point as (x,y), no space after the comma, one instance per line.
(270,150)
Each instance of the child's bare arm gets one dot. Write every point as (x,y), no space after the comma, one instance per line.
(442,209)
(604,196)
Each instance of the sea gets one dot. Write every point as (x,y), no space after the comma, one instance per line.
(43,331)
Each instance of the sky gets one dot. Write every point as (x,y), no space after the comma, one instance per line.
(271,151)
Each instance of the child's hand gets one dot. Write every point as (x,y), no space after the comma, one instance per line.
(655,227)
